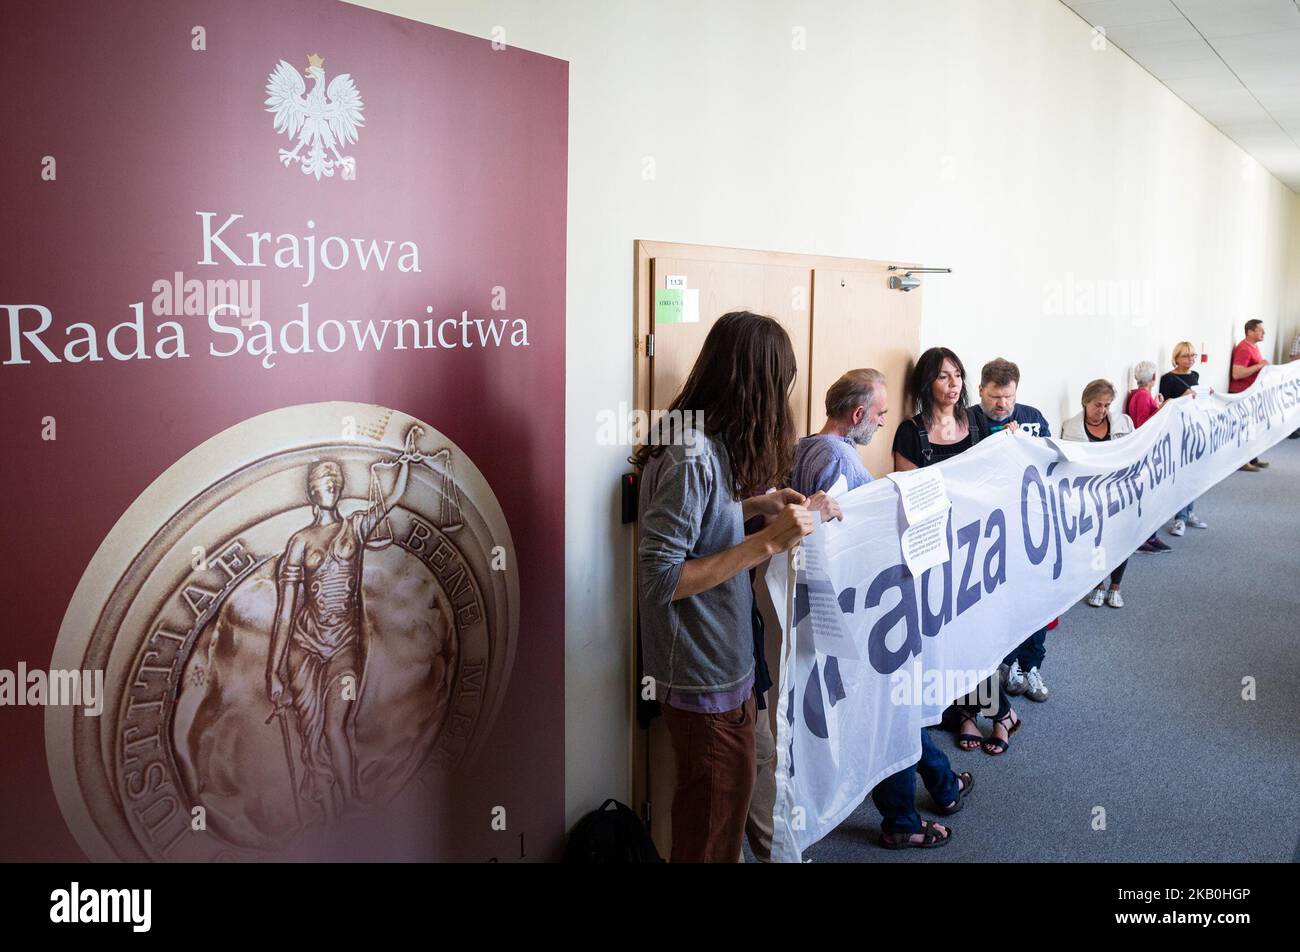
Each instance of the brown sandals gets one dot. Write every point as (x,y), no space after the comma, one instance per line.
(930,838)
(967,784)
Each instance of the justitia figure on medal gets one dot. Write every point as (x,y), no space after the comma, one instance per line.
(315,663)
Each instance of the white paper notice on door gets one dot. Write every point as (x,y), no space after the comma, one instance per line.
(691,306)
(925,511)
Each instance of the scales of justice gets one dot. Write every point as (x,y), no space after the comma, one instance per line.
(316,661)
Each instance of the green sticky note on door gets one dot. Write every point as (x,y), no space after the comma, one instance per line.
(668,306)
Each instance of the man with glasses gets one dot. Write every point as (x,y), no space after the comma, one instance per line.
(1180,384)
(998,410)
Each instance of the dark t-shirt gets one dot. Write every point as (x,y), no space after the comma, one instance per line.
(1029,419)
(907,444)
(1097,439)
(1173,386)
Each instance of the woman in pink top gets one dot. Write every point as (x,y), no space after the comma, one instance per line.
(1141,406)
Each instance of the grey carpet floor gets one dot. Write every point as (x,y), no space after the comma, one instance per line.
(1146,719)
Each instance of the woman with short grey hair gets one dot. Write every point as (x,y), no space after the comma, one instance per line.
(1145,373)
(1096,424)
(1142,404)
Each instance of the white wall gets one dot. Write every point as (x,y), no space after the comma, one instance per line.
(1291,320)
(988,136)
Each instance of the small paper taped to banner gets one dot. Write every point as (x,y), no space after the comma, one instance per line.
(925,510)
(819,602)
(925,544)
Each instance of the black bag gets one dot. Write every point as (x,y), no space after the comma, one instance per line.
(611,836)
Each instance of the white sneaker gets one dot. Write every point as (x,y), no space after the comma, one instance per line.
(1035,689)
(1178,528)
(1014,680)
(1196,522)
(1097,598)
(1114,599)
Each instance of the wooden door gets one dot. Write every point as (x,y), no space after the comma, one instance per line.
(859,321)
(779,291)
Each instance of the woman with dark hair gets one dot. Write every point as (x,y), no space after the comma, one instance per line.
(943,425)
(730,436)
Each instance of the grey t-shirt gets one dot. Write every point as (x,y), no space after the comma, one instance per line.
(821,459)
(702,643)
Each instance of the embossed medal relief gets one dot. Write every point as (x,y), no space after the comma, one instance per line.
(306,626)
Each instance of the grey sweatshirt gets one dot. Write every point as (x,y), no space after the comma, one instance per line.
(686,510)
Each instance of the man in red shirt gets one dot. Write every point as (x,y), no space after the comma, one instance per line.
(1247,362)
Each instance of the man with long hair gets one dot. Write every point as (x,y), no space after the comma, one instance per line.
(729,438)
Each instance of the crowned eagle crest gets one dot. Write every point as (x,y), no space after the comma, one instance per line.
(323,120)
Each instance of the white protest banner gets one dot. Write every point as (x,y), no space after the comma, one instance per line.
(1030,532)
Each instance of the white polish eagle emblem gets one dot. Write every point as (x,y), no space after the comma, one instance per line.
(323,120)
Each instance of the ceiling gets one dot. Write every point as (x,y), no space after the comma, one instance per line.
(1236,62)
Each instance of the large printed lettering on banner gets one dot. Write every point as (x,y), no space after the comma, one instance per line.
(282,370)
(871,653)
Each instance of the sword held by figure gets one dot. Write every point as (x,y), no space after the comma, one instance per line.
(281,711)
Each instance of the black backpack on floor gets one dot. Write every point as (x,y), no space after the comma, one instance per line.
(611,836)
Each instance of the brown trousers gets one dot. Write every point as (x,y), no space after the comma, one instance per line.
(758,827)
(715,761)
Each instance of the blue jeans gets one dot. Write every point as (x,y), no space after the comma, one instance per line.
(1186,513)
(1031,651)
(895,796)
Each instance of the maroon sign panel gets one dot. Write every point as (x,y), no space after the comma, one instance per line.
(282,374)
